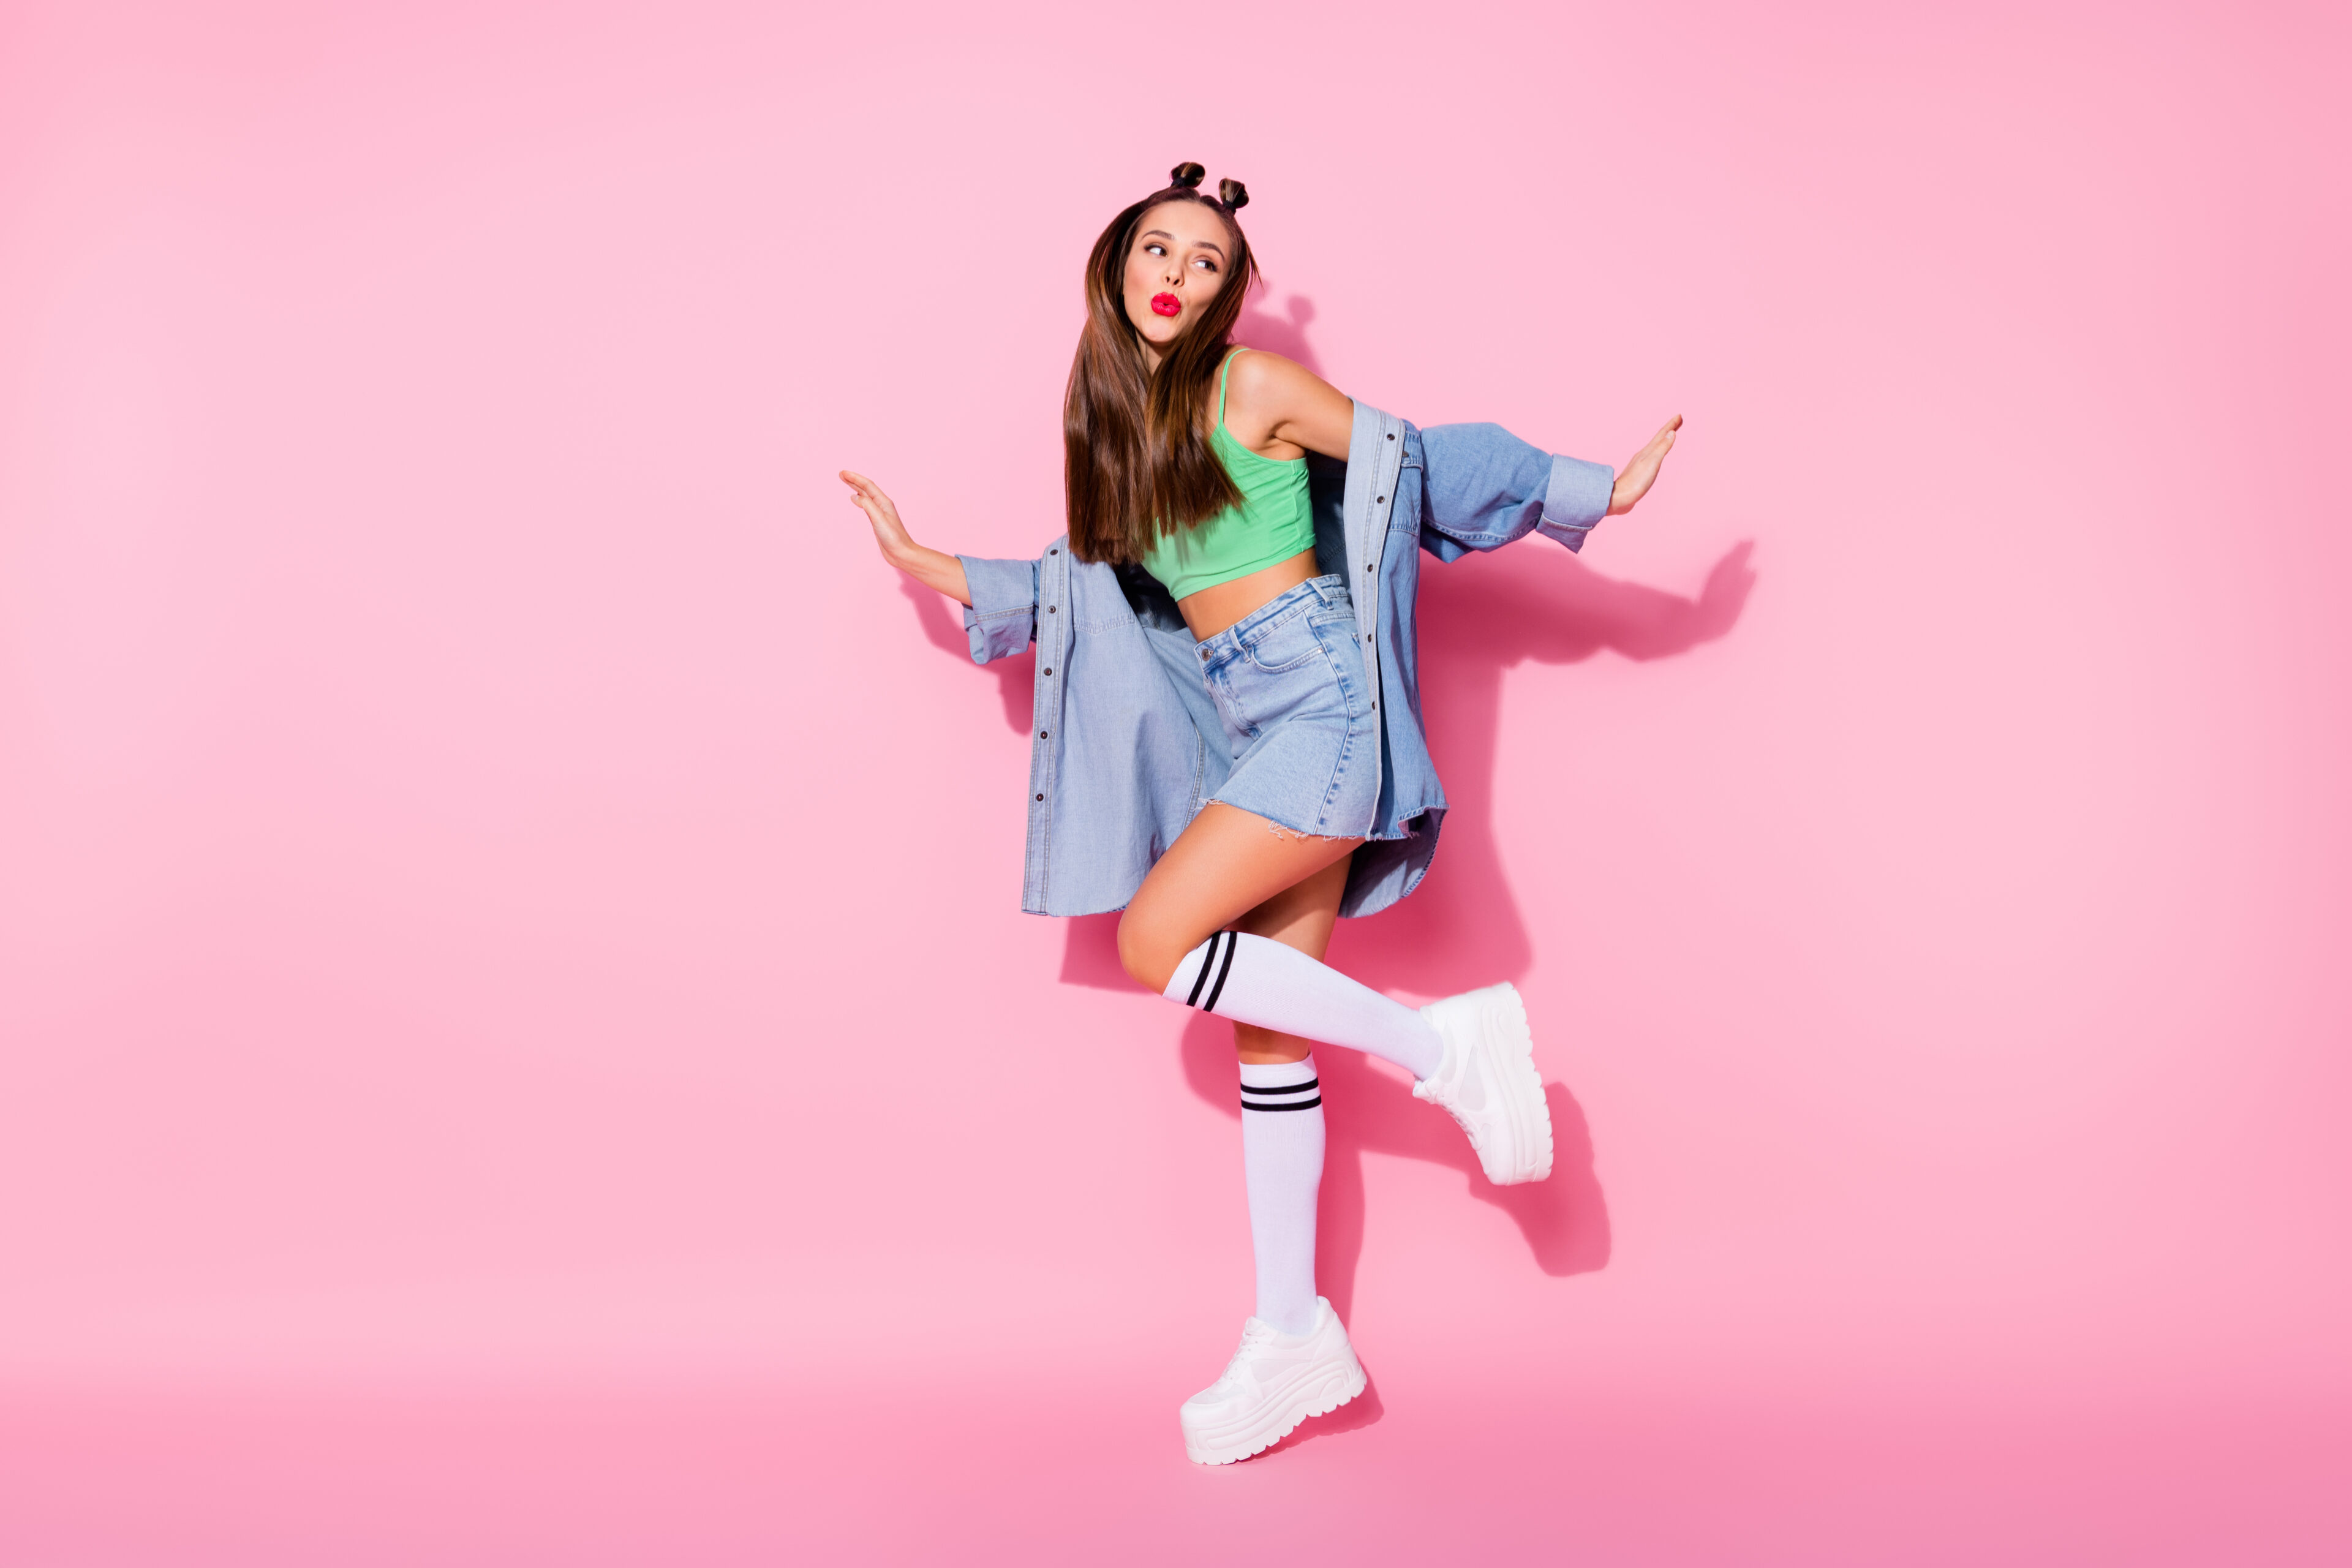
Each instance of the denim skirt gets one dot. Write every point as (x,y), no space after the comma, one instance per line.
(1289,684)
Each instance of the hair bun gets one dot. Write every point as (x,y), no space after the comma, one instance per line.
(1186,176)
(1235,194)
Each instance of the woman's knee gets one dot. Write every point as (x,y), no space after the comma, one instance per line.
(1149,948)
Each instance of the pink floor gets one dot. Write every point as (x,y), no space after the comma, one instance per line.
(1002,1474)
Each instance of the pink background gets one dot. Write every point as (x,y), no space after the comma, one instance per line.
(518,1042)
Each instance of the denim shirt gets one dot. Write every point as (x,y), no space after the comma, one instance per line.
(1126,743)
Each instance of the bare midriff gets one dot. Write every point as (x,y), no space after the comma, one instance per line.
(1211,610)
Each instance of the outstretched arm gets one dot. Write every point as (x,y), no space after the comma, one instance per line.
(931,568)
(1483,488)
(1641,471)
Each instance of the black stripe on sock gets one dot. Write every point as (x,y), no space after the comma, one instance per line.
(1198,980)
(1284,1104)
(1286,1089)
(1233,940)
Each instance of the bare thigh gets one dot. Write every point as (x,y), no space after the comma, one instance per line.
(1228,864)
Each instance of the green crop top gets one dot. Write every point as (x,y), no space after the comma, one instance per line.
(1273,523)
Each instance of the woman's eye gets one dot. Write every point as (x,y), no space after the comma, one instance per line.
(1155,250)
(1204,264)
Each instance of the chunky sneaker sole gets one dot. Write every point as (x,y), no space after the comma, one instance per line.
(1488,1082)
(1274,1382)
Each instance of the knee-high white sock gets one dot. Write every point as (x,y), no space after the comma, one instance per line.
(1281,1154)
(1256,980)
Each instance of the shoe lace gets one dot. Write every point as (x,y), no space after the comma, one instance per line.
(1448,1101)
(1255,1334)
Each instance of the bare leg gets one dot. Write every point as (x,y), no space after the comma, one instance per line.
(1300,916)
(1223,866)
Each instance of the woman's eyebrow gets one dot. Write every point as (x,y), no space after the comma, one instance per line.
(1198,244)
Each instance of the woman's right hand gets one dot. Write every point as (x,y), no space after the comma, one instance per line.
(882,513)
(932,568)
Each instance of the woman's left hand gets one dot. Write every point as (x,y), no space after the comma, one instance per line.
(931,568)
(1640,472)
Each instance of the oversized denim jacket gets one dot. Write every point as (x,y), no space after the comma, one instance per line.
(1126,743)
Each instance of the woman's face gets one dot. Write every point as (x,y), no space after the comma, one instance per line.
(1175,265)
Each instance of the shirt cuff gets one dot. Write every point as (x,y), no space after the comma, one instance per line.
(1003,615)
(1578,499)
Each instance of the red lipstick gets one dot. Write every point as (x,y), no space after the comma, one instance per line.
(1166,304)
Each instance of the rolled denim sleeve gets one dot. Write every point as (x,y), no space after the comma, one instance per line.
(1577,498)
(1484,487)
(1001,618)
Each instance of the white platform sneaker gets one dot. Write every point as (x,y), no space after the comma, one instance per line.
(1274,1382)
(1487,1082)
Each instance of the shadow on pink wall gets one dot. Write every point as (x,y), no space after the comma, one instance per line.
(1462,928)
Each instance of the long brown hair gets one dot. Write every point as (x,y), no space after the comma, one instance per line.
(1136,459)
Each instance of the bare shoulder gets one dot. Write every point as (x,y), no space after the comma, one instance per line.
(1262,375)
(1273,401)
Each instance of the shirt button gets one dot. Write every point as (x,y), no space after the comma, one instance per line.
(1041,797)
(1391,435)
(1050,609)
(1057,551)
(1368,565)
(1049,669)
(1379,498)
(1204,653)
(1041,734)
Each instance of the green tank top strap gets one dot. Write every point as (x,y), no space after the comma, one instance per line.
(1228,444)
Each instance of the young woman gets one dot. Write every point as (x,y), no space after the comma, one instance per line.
(1228,740)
